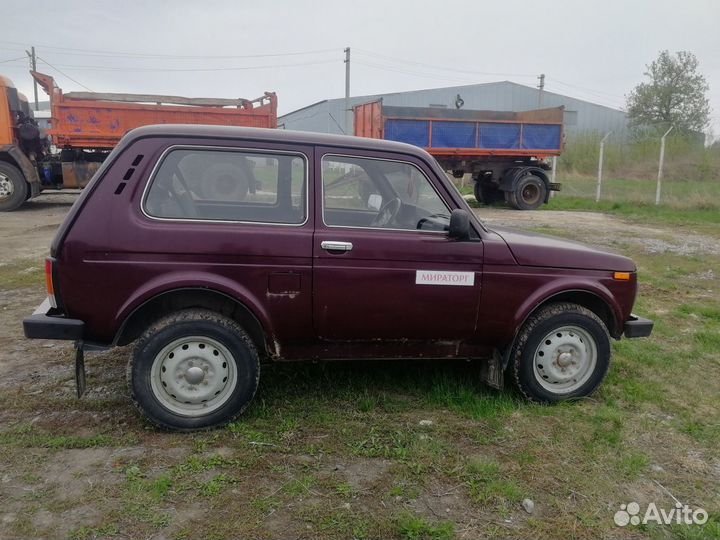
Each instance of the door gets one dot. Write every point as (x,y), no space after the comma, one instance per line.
(383,266)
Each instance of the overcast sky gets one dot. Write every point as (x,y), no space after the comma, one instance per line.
(593,50)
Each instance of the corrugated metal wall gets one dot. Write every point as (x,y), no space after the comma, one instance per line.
(581,116)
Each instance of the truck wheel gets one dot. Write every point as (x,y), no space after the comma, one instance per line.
(487,193)
(562,352)
(193,369)
(14,190)
(529,193)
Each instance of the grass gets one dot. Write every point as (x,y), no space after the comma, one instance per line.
(21,273)
(694,205)
(345,449)
(416,528)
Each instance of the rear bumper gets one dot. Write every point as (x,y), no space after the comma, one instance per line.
(45,323)
(637,327)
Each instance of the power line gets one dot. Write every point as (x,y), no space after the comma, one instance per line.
(157,70)
(11,60)
(119,54)
(589,90)
(415,73)
(443,68)
(63,74)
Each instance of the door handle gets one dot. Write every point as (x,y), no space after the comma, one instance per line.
(331,245)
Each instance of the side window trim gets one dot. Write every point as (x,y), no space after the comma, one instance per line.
(169,149)
(357,156)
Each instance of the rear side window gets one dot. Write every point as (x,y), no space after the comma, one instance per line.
(229,185)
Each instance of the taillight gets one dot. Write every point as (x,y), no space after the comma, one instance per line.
(49,281)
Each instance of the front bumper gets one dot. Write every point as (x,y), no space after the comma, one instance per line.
(637,327)
(48,323)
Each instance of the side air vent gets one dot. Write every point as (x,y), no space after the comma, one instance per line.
(119,189)
(128,173)
(137,160)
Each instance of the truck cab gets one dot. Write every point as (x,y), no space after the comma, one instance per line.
(315,247)
(19,146)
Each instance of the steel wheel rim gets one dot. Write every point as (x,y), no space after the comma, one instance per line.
(193,376)
(6,187)
(530,194)
(565,359)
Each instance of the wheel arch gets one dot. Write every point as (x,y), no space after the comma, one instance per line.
(591,300)
(195,297)
(13,155)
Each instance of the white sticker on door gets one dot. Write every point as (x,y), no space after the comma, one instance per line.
(442,277)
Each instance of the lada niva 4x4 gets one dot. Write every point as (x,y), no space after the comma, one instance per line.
(214,248)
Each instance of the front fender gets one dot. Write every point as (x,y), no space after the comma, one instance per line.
(567,286)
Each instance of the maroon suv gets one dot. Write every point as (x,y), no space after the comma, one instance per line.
(213,248)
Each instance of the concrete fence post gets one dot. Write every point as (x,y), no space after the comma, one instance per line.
(660,165)
(600,166)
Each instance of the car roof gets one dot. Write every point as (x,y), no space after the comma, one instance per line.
(270,135)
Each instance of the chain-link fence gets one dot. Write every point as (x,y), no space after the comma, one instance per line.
(630,167)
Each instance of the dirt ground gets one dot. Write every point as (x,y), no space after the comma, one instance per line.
(78,455)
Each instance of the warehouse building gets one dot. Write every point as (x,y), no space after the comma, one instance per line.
(328,116)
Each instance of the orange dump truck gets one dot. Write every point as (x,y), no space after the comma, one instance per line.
(85,126)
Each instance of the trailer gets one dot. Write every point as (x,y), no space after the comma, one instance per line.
(85,126)
(505,152)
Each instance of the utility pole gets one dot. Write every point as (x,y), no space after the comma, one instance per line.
(660,166)
(600,166)
(33,65)
(348,112)
(541,86)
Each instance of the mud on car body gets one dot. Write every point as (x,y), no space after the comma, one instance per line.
(215,248)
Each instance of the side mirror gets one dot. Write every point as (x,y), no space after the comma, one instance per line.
(459,228)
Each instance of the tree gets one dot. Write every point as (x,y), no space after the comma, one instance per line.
(675,95)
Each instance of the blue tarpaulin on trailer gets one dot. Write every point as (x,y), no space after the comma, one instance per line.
(495,136)
(408,131)
(506,136)
(541,137)
(453,134)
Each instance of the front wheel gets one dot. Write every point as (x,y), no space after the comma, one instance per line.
(562,352)
(193,369)
(14,190)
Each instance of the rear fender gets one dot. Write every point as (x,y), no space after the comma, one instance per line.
(172,282)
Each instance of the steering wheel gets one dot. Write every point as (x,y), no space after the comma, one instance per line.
(430,219)
(387,213)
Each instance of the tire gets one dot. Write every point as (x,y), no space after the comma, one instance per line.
(478,192)
(226,181)
(214,381)
(562,352)
(529,193)
(14,190)
(487,193)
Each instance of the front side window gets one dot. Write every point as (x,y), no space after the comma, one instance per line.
(365,192)
(229,185)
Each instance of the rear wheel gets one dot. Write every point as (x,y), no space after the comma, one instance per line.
(14,190)
(194,369)
(562,352)
(529,193)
